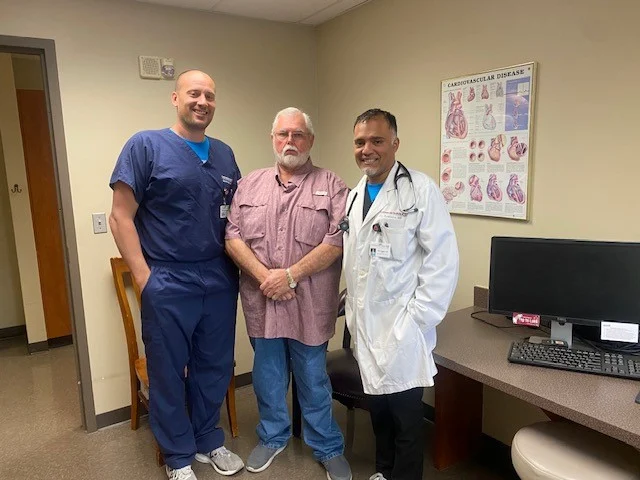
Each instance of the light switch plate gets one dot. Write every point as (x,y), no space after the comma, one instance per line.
(99,222)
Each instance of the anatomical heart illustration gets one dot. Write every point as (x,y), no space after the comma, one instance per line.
(499,91)
(514,191)
(493,189)
(456,125)
(476,189)
(472,94)
(516,149)
(495,148)
(485,93)
(488,121)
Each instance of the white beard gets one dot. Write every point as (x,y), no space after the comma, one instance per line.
(292,162)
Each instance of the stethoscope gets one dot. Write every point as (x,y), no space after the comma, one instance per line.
(401,172)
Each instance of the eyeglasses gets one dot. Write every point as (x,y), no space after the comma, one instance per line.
(297,135)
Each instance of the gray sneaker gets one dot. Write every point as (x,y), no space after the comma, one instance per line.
(261,457)
(184,473)
(222,460)
(338,468)
(377,476)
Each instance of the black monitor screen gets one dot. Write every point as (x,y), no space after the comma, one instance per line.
(585,282)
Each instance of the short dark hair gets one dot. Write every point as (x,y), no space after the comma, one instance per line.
(375,113)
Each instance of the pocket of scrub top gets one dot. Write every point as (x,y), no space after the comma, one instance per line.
(311,223)
(253,221)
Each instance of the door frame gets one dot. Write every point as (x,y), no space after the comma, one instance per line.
(45,49)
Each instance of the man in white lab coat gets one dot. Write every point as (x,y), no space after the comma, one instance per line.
(401,267)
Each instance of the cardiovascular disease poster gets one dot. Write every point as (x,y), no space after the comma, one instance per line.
(485,144)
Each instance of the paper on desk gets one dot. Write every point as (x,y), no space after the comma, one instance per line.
(619,332)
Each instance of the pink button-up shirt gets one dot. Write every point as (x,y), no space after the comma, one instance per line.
(281,224)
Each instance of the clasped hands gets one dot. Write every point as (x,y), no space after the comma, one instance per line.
(276,286)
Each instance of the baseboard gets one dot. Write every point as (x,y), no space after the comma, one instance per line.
(17,331)
(60,341)
(38,347)
(244,379)
(429,412)
(114,416)
(51,343)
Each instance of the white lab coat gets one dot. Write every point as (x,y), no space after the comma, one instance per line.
(396,296)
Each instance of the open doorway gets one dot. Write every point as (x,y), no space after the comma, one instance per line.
(45,179)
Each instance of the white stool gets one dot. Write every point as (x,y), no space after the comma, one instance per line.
(566,451)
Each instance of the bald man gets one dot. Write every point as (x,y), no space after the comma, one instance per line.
(171,194)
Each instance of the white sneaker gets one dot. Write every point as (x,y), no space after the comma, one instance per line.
(184,473)
(377,476)
(222,460)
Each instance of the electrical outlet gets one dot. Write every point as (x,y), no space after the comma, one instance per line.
(99,223)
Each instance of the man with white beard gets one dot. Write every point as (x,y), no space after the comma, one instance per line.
(283,233)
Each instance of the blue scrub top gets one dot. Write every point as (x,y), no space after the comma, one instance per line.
(179,218)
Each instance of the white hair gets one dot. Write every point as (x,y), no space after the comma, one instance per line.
(289,111)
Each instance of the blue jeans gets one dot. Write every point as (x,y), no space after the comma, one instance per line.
(274,359)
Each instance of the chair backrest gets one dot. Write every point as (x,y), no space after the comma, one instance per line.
(120,271)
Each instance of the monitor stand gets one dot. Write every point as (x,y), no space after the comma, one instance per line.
(562,332)
(559,331)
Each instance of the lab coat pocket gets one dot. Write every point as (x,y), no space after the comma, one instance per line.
(253,220)
(312,221)
(397,238)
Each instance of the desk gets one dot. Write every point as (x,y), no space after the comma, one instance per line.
(470,353)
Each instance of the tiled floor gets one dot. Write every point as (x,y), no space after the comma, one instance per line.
(41,436)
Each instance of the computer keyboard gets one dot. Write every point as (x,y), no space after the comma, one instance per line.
(575,359)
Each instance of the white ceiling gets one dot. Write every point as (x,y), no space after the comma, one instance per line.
(307,12)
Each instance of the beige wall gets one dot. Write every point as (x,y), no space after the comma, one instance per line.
(25,246)
(10,295)
(394,53)
(260,67)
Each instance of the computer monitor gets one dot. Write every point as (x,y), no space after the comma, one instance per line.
(565,281)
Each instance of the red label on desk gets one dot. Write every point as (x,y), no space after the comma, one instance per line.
(526,319)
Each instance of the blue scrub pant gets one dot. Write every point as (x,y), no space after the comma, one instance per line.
(274,359)
(188,320)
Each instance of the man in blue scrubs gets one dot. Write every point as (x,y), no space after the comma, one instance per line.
(171,194)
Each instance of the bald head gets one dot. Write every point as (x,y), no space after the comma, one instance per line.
(189,75)
(195,102)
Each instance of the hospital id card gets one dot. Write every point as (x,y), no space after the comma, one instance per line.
(380,250)
(224,211)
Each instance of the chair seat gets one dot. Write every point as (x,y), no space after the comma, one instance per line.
(343,370)
(567,451)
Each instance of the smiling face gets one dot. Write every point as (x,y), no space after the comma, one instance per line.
(375,146)
(292,141)
(195,101)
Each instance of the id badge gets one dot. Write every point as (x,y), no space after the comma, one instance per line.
(224,211)
(380,250)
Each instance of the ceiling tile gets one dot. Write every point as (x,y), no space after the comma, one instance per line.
(309,12)
(334,10)
(192,4)
(280,10)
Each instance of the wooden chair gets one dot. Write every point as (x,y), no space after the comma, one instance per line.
(138,365)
